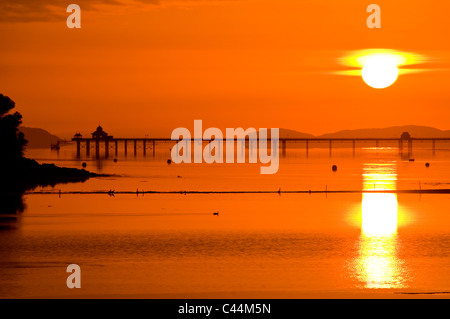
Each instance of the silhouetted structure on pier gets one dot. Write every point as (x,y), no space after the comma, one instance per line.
(99,134)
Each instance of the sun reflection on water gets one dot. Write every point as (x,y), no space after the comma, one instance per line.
(378,264)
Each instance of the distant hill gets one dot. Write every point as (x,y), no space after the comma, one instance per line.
(286,133)
(389,132)
(38,138)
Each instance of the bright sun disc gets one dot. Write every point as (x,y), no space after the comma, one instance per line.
(379,71)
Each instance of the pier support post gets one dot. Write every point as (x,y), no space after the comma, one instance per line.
(275,147)
(283,148)
(88,148)
(331,142)
(106,149)
(144,146)
(434,147)
(307,148)
(97,149)
(154,148)
(135,147)
(410,144)
(78,148)
(117,146)
(354,147)
(126,147)
(400,147)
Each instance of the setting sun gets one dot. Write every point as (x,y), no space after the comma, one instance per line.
(380,71)
(380,68)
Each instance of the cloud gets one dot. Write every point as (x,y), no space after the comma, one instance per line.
(20,11)
(44,10)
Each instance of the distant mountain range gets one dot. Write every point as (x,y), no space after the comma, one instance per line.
(39,138)
(388,132)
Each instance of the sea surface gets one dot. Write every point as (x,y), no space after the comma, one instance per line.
(325,245)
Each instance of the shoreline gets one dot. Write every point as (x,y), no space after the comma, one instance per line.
(25,174)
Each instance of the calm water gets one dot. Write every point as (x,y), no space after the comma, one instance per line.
(260,245)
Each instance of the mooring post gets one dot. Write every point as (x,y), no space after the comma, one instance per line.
(126,147)
(135,147)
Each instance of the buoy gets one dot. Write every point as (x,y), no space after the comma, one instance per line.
(84,164)
(169,161)
(427,164)
(334,168)
(115,160)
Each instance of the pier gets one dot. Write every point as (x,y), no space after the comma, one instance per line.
(405,143)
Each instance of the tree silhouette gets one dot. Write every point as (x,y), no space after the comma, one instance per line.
(12,142)
(18,173)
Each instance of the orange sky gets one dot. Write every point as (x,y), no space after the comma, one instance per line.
(148,68)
